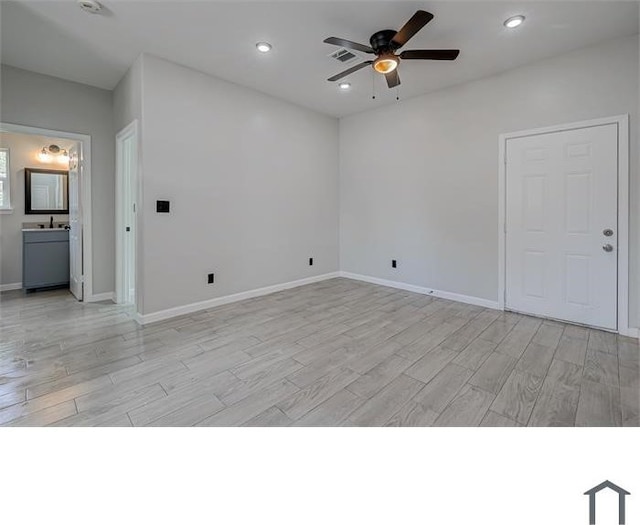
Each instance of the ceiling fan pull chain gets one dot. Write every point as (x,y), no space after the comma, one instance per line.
(373,85)
(397,93)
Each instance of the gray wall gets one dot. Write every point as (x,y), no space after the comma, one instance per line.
(23,151)
(426,191)
(47,102)
(127,97)
(253,185)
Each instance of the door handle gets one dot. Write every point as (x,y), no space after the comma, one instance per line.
(127,229)
(607,248)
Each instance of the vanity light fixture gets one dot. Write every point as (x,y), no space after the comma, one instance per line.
(53,152)
(514,21)
(344,85)
(263,47)
(44,156)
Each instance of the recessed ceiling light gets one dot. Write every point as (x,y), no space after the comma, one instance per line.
(344,85)
(90,6)
(514,21)
(263,47)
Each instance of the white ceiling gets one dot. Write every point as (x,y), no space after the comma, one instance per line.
(57,38)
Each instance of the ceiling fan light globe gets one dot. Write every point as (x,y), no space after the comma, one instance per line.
(385,64)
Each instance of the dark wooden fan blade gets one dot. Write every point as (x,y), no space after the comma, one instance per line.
(349,44)
(415,24)
(430,54)
(393,79)
(349,71)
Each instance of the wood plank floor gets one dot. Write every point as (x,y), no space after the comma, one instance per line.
(334,353)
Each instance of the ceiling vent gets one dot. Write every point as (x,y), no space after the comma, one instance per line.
(343,55)
(90,6)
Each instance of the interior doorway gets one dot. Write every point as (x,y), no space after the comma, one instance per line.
(80,195)
(564,241)
(126,203)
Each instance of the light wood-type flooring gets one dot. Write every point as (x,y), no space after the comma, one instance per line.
(334,353)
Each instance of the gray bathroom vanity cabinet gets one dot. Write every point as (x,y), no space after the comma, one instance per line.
(45,258)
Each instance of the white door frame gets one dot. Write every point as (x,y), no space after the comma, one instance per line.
(622,121)
(85,197)
(131,130)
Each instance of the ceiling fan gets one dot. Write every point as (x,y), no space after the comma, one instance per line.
(384,44)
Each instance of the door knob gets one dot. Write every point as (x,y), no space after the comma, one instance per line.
(608,232)
(607,248)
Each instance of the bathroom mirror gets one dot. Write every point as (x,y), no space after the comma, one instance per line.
(46,191)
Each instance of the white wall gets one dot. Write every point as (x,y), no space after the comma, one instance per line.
(32,99)
(253,185)
(23,153)
(419,179)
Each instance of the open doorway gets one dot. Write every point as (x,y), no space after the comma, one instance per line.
(47,152)
(126,199)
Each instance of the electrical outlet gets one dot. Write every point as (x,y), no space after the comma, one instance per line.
(310,261)
(210,278)
(394,264)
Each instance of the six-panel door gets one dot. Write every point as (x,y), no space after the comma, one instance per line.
(561,225)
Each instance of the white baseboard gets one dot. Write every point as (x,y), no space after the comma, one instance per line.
(10,286)
(468,299)
(631,332)
(96,297)
(219,301)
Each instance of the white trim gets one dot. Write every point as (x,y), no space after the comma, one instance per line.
(622,121)
(219,301)
(468,299)
(85,198)
(104,296)
(131,130)
(502,220)
(7,208)
(10,286)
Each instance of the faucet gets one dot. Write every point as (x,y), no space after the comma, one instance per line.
(51,222)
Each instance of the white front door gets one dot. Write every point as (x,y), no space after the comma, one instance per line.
(562,225)
(75,223)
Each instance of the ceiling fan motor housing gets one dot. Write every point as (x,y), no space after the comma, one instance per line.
(381,41)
